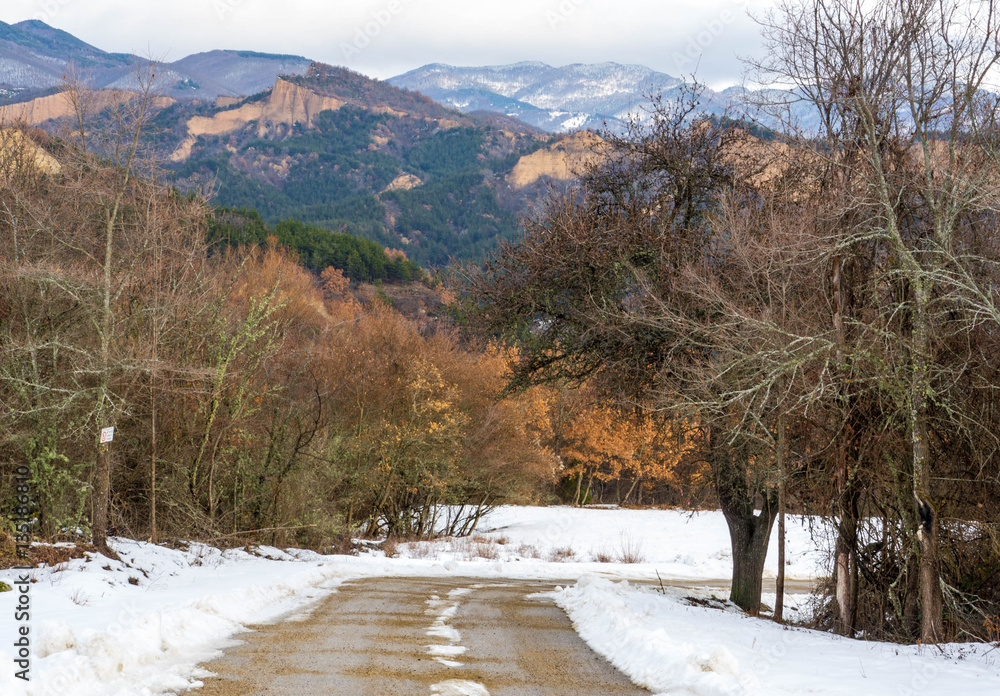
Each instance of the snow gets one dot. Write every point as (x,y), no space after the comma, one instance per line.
(143,625)
(95,633)
(667,646)
(458,687)
(574,122)
(678,544)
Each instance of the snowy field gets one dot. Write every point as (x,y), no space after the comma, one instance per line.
(676,544)
(142,626)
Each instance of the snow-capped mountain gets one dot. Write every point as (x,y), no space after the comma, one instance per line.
(35,57)
(555,99)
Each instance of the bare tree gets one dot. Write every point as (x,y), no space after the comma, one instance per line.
(615,283)
(906,131)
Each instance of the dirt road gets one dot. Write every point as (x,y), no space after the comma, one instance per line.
(388,636)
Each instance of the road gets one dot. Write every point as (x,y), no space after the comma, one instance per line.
(389,636)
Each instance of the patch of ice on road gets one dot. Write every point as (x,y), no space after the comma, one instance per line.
(458,687)
(445,609)
(446,650)
(444,631)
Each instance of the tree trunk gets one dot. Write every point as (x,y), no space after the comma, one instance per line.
(930,586)
(152,397)
(842,578)
(845,562)
(102,501)
(628,495)
(911,606)
(749,536)
(931,608)
(104,418)
(152,463)
(779,585)
(847,522)
(749,533)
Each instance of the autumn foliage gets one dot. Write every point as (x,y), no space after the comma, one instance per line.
(251,397)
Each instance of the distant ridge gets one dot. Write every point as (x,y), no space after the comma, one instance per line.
(555,99)
(35,58)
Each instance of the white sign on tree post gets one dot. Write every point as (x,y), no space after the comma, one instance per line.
(107,435)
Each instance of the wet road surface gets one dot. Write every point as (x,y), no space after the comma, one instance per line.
(447,636)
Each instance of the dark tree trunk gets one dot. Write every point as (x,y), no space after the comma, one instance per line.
(930,585)
(749,532)
(102,502)
(749,535)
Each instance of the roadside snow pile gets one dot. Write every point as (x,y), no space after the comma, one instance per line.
(626,543)
(668,646)
(101,627)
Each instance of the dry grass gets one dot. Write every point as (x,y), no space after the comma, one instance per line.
(342,545)
(46,555)
(629,549)
(488,551)
(421,549)
(603,556)
(528,551)
(562,555)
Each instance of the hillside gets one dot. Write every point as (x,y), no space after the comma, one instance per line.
(348,153)
(564,160)
(328,146)
(18,152)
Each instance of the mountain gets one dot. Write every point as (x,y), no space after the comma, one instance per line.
(554,99)
(35,58)
(327,146)
(293,139)
(352,154)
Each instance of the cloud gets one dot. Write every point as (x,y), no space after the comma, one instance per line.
(393,36)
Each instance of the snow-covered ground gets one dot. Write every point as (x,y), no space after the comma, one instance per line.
(142,625)
(671,647)
(674,543)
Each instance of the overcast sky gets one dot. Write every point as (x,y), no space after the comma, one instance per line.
(382,38)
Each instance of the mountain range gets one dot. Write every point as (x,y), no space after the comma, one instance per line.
(36,59)
(440,162)
(556,99)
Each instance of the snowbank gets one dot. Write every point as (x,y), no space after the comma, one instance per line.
(668,646)
(140,626)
